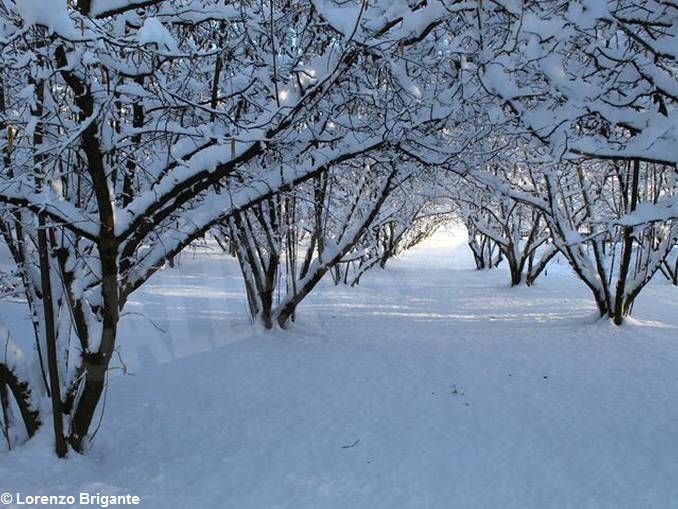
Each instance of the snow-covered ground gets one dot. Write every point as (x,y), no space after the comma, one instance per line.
(430,386)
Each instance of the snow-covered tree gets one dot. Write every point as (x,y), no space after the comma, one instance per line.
(133,128)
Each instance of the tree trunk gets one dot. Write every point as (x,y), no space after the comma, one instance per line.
(50,340)
(22,395)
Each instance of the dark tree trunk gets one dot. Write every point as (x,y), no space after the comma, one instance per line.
(624,302)
(22,395)
(50,340)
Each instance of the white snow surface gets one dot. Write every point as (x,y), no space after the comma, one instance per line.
(154,32)
(55,18)
(432,385)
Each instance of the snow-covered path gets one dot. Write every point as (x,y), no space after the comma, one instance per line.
(430,386)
